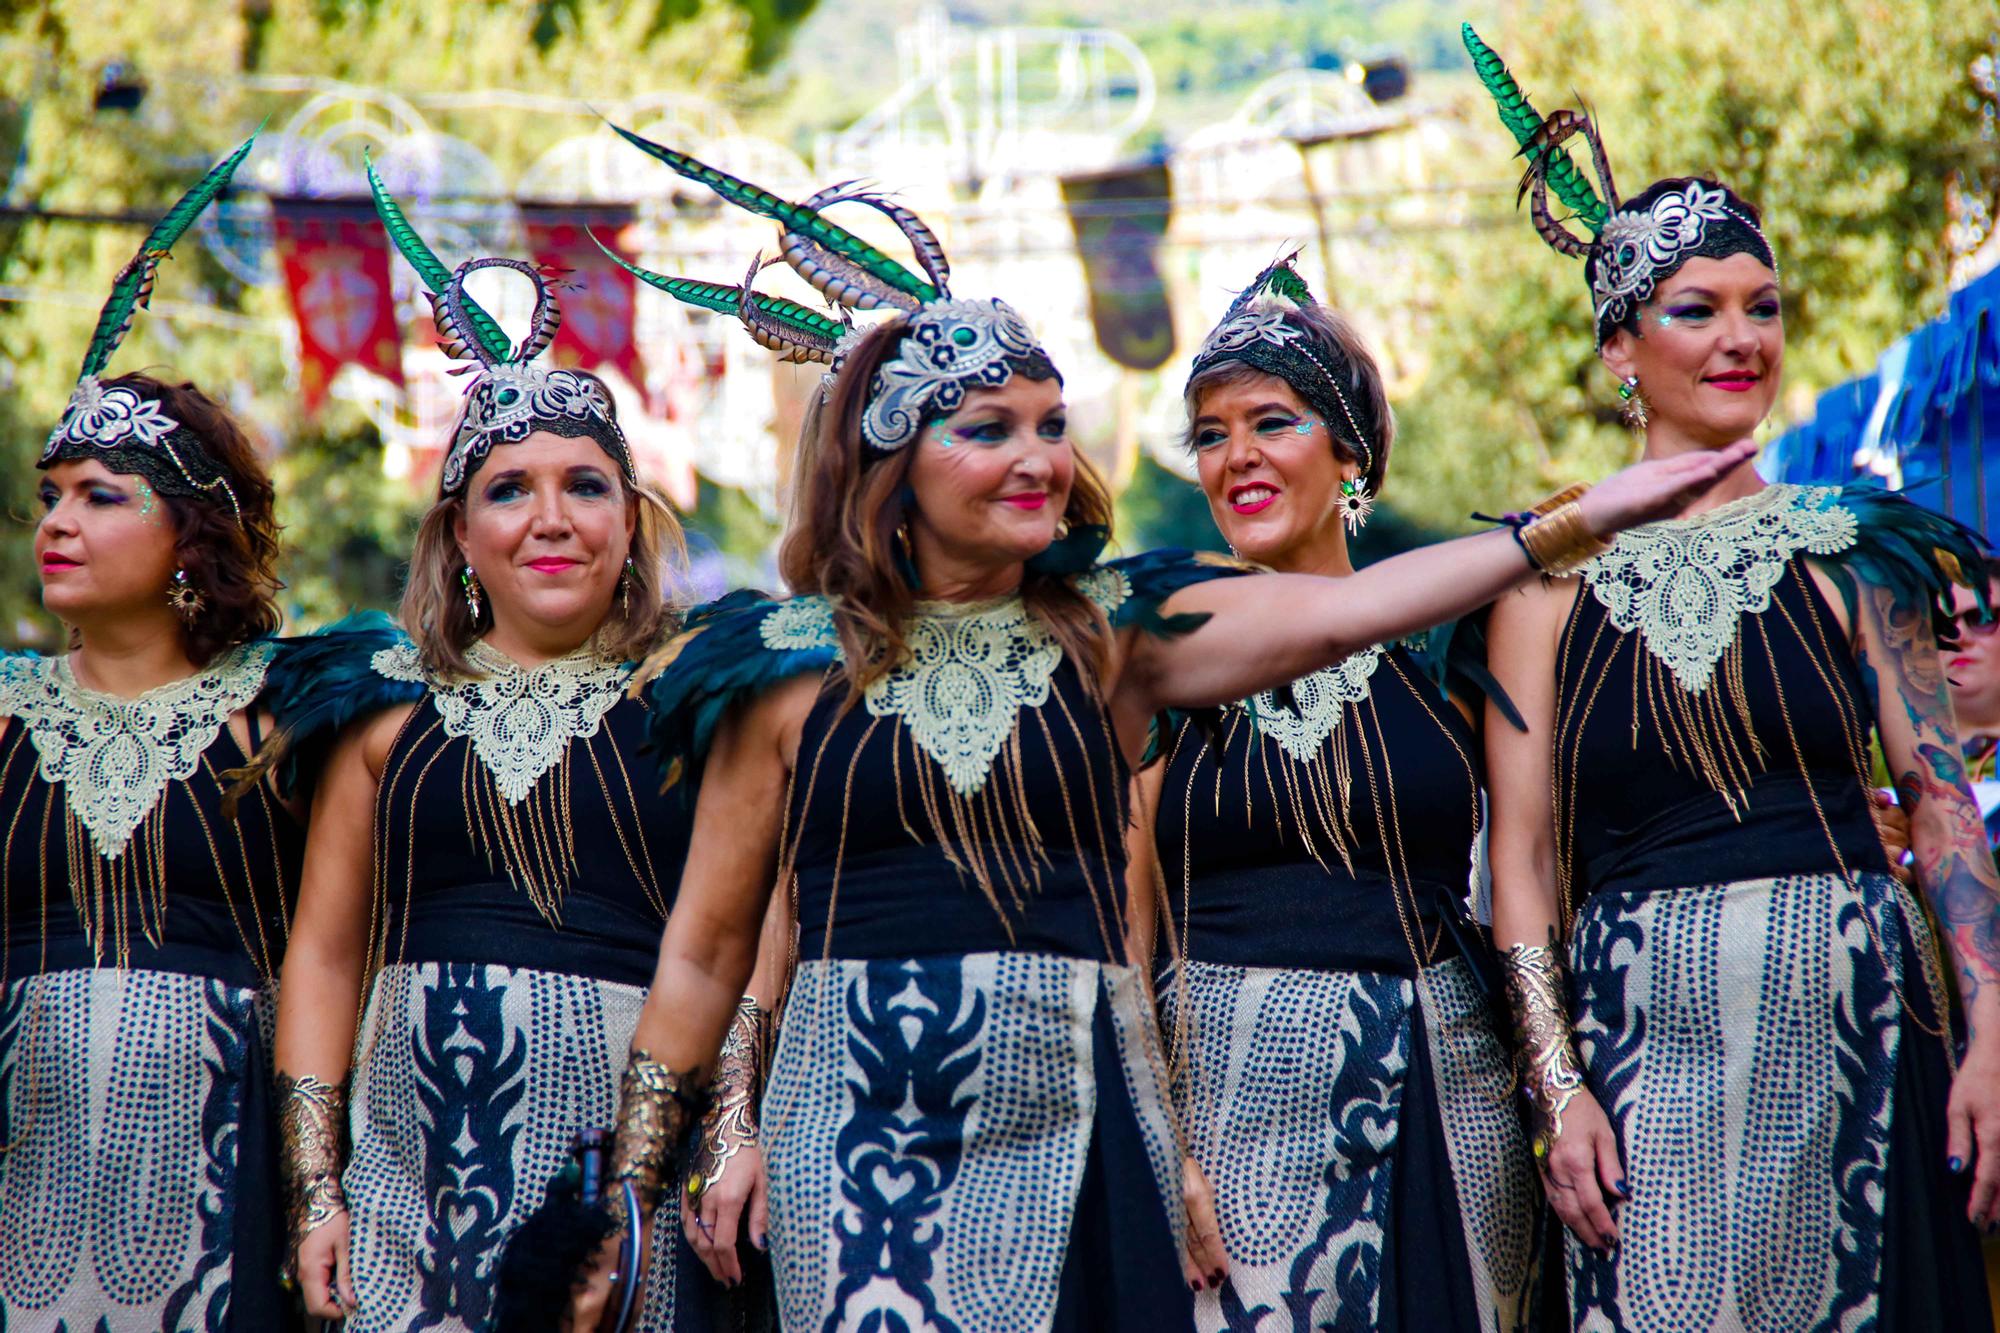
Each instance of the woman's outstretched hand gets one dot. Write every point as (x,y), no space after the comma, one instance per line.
(1658,488)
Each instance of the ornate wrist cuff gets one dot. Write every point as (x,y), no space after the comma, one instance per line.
(1550,1075)
(731,1119)
(312,1124)
(1553,534)
(654,1106)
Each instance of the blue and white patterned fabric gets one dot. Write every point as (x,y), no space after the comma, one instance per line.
(1744,1038)
(447,1160)
(121,1111)
(1294,1080)
(956,1095)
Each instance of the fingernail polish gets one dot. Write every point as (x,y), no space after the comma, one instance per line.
(1624,1190)
(1194,1284)
(1955,1165)
(1216,1280)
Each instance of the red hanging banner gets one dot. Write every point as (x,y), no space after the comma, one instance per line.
(336,262)
(597,295)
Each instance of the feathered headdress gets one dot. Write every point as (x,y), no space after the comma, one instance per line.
(952,345)
(114,424)
(1632,246)
(510,397)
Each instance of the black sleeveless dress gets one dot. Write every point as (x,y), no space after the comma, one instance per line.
(1335,1059)
(145,928)
(525,864)
(1758,1003)
(966,1123)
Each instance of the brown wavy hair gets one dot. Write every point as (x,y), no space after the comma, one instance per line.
(232,564)
(436,615)
(1336,342)
(849,507)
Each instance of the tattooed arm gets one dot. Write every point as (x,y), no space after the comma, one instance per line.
(1899,661)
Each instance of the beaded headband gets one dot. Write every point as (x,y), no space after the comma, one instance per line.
(117,425)
(951,347)
(510,398)
(1635,245)
(1258,330)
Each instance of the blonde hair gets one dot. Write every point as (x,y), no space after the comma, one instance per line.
(435,613)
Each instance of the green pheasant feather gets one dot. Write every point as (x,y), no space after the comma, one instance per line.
(797,218)
(727,300)
(1522,120)
(1282,279)
(428,266)
(135,282)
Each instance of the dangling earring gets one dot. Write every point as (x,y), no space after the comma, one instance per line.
(1356,504)
(469,581)
(1633,408)
(185,598)
(625,590)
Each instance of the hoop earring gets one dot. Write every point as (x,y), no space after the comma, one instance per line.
(469,580)
(1632,408)
(625,590)
(185,599)
(1356,504)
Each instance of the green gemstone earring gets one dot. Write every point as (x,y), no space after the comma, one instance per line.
(1356,504)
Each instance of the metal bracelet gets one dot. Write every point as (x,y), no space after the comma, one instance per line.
(730,1121)
(654,1106)
(312,1123)
(1550,1075)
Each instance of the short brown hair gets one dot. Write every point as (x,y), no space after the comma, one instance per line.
(849,506)
(1337,343)
(230,555)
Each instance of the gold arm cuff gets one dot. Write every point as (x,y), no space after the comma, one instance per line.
(1550,1075)
(730,1121)
(312,1136)
(1559,540)
(653,1109)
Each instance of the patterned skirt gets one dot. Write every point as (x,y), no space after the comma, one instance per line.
(138,1177)
(471,1085)
(1369,1165)
(972,1143)
(1769,1053)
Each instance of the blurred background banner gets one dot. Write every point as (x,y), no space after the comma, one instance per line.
(1118,172)
(335,258)
(1120,217)
(598,297)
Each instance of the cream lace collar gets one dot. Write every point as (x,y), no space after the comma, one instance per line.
(1684,585)
(521,721)
(114,756)
(1320,697)
(972,668)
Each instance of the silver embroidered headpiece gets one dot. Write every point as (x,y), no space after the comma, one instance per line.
(951,346)
(1644,244)
(512,398)
(117,425)
(1634,244)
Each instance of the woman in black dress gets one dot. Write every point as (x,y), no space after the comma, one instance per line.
(144,925)
(491,860)
(1742,1081)
(1336,1068)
